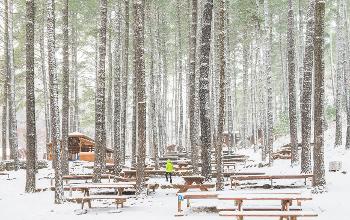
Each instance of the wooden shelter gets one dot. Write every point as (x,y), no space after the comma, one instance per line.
(81,147)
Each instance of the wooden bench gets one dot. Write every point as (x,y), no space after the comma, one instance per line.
(285,199)
(282,214)
(258,208)
(266,208)
(119,200)
(5,174)
(236,178)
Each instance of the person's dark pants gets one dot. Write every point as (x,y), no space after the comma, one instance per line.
(166,176)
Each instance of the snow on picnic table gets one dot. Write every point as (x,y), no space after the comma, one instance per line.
(17,205)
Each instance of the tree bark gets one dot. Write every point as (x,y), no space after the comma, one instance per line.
(100,102)
(65,91)
(339,76)
(192,96)
(13,138)
(180,65)
(109,104)
(319,169)
(5,101)
(221,117)
(268,23)
(141,98)
(117,94)
(306,166)
(204,89)
(125,82)
(30,99)
(292,85)
(54,112)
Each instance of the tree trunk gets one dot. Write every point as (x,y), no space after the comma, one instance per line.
(192,96)
(153,108)
(221,118)
(74,72)
(117,94)
(65,91)
(54,112)
(110,83)
(245,90)
(125,82)
(204,89)
(141,98)
(268,20)
(339,76)
(346,75)
(30,99)
(13,138)
(44,80)
(100,103)
(134,120)
(319,169)
(307,91)
(179,38)
(165,88)
(292,85)
(5,95)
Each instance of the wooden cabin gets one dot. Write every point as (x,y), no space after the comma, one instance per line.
(82,147)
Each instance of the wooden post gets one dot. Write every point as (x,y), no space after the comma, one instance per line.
(82,203)
(179,205)
(70,189)
(271,182)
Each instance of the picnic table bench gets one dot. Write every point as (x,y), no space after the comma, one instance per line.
(285,199)
(236,178)
(119,200)
(5,174)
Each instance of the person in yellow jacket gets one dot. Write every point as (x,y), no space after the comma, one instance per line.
(168,170)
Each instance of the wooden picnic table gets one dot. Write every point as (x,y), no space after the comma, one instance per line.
(286,201)
(189,180)
(85,177)
(236,178)
(132,173)
(193,182)
(214,195)
(119,187)
(234,156)
(183,164)
(193,195)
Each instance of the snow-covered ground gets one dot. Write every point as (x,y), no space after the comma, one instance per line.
(17,205)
